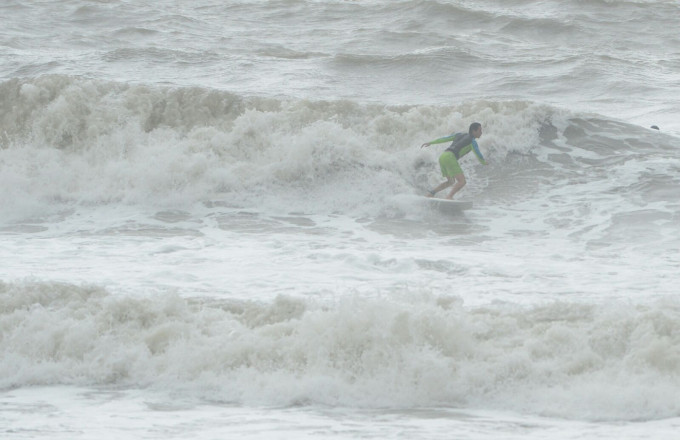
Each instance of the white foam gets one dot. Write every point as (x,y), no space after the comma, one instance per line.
(79,141)
(573,360)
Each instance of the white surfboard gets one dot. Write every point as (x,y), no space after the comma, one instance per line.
(450,205)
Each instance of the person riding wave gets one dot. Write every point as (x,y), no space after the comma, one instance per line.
(461,144)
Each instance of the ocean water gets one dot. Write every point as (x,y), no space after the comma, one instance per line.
(212,223)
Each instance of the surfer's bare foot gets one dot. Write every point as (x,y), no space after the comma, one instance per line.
(430,194)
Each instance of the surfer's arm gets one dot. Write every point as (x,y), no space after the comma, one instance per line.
(478,153)
(439,141)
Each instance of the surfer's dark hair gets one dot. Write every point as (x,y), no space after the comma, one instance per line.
(474,127)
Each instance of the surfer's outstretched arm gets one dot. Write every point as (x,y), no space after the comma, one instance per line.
(475,149)
(439,141)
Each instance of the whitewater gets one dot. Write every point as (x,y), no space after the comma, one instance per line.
(212,222)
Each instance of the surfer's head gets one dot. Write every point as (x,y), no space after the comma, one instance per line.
(475,130)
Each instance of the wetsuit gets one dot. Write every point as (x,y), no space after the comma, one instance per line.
(461,144)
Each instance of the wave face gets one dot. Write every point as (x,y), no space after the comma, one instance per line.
(586,361)
(73,141)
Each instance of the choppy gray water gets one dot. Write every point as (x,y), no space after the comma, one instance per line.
(212,220)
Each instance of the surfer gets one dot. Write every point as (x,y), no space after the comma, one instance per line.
(461,144)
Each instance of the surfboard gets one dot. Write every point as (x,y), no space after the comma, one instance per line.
(450,205)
